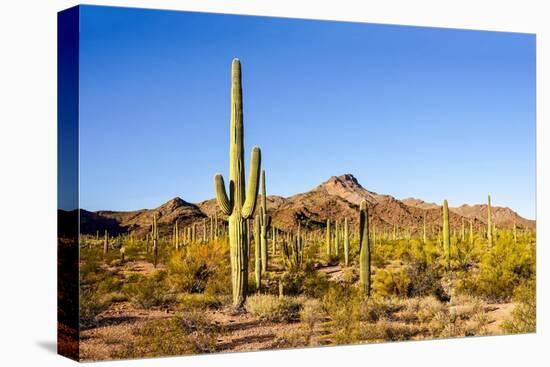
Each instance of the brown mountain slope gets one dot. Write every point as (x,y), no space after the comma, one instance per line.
(502,216)
(139,221)
(336,198)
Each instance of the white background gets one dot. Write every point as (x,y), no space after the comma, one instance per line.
(28,181)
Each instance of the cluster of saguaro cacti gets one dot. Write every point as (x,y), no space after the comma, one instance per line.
(292,250)
(364,249)
(238,205)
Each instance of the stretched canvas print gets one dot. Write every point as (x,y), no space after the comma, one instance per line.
(239,183)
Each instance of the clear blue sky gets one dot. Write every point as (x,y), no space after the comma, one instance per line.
(423,112)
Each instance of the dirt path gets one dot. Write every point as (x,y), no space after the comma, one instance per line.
(114,328)
(333,272)
(247,333)
(498,313)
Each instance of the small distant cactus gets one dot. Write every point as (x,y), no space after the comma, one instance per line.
(106,243)
(364,250)
(238,205)
(122,253)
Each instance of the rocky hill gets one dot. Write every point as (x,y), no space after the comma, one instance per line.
(336,198)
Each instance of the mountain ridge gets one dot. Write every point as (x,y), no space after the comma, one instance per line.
(338,197)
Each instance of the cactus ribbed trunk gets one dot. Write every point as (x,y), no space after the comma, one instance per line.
(238,206)
(364,249)
(346,242)
(446,234)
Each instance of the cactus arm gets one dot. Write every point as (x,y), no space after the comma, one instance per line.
(253,181)
(225,203)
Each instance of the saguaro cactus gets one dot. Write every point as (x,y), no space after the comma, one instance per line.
(471,232)
(364,249)
(265,221)
(463,234)
(274,240)
(446,234)
(336,238)
(238,206)
(346,242)
(106,243)
(257,252)
(176,236)
(155,235)
(489,221)
(328,238)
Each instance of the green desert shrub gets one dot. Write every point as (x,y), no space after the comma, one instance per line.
(200,268)
(273,308)
(391,282)
(91,305)
(524,315)
(424,279)
(200,301)
(149,291)
(188,333)
(309,282)
(503,268)
(342,304)
(378,308)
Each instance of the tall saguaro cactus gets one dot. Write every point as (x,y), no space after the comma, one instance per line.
(364,249)
(238,206)
(446,234)
(346,242)
(489,221)
(265,221)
